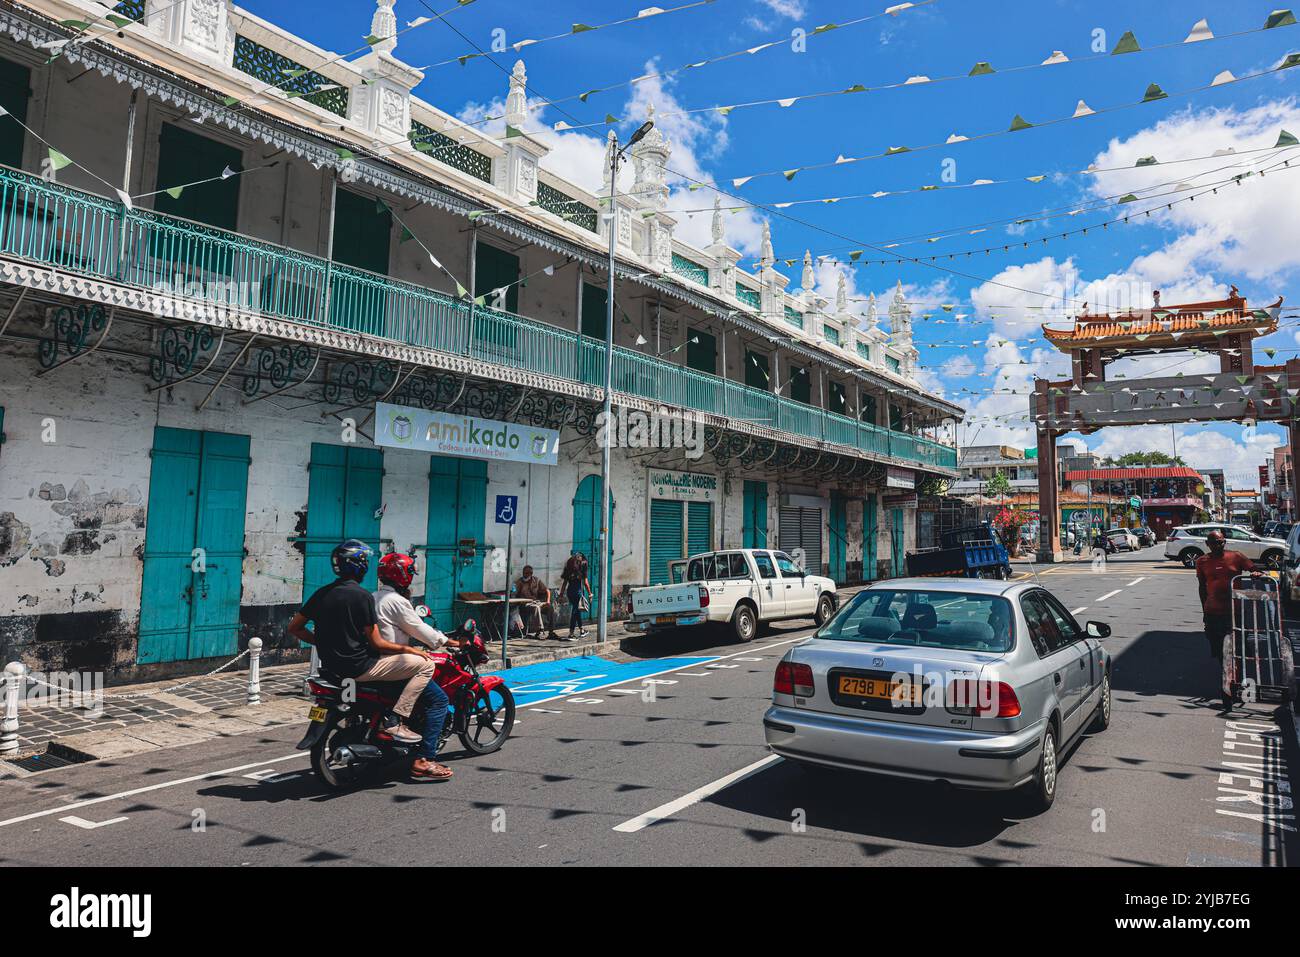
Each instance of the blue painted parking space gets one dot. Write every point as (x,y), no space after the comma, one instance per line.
(573,676)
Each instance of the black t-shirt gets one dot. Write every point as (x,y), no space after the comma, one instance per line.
(343,612)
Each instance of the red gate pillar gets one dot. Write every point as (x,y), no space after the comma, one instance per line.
(1049,512)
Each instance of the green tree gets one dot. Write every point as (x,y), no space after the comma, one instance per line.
(998,485)
(1147,459)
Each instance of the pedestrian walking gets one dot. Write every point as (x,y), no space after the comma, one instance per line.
(578,590)
(1214,574)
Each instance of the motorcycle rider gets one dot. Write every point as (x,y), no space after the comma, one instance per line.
(399,623)
(348,639)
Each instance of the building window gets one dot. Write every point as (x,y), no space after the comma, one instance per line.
(800,385)
(702,356)
(186,157)
(838,401)
(757,371)
(15,90)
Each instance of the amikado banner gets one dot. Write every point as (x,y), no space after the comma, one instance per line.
(468,436)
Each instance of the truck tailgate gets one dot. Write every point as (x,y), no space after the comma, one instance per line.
(654,600)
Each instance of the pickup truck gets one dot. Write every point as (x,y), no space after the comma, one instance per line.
(971,552)
(745,588)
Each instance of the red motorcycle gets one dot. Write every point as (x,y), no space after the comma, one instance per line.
(346,735)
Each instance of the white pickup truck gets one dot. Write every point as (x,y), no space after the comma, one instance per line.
(745,588)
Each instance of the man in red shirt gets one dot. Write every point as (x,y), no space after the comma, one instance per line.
(1214,574)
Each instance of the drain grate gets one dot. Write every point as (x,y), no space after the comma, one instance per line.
(43,762)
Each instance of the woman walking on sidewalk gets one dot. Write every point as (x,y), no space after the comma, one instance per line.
(578,590)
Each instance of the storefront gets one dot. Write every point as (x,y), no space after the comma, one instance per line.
(679,514)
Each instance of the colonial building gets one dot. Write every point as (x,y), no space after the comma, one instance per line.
(256,298)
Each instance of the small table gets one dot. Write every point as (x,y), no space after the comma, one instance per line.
(487,611)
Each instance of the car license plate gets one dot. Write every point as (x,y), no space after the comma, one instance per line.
(665,619)
(858,687)
(317,714)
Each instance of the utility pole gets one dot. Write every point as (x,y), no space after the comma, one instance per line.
(602,613)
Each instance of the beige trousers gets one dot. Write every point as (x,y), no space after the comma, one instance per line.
(397,667)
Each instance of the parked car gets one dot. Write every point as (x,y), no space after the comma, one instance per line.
(1123,539)
(744,588)
(1146,536)
(1290,577)
(979,684)
(1186,543)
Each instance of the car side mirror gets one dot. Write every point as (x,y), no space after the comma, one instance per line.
(1098,629)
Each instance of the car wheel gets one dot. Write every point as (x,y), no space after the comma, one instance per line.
(744,623)
(1102,720)
(825,608)
(1041,791)
(1188,557)
(1272,558)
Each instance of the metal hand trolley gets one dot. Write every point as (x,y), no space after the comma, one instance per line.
(1257,659)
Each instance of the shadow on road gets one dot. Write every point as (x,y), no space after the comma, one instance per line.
(700,638)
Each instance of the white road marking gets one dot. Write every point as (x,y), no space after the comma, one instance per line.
(85,825)
(152,787)
(1110,594)
(546,711)
(1079,609)
(694,674)
(623,691)
(1135,581)
(699,794)
(271,776)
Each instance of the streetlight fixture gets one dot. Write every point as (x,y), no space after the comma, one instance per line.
(602,597)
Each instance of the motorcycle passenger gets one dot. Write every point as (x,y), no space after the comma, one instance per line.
(399,623)
(349,642)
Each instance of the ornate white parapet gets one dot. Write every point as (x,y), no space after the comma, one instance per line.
(517,173)
(381,105)
(200,28)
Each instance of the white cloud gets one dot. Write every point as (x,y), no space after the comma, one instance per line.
(1239,452)
(774,11)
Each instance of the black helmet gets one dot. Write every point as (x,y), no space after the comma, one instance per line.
(351,559)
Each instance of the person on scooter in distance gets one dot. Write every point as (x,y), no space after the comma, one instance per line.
(349,643)
(399,623)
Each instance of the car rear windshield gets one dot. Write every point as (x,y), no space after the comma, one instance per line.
(930,619)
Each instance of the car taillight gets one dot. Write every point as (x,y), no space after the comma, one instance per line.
(704,597)
(793,679)
(981,699)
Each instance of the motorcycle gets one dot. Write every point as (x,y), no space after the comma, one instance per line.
(346,734)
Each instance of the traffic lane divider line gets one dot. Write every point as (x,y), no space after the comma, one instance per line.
(1079,609)
(1135,581)
(1110,594)
(75,805)
(642,821)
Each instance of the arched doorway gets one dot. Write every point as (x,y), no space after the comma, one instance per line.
(586,529)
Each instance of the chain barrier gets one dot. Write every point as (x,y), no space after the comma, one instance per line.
(134,695)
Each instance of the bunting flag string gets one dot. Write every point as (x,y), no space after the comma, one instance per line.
(175,191)
(1022,220)
(1285,140)
(854,258)
(1127,44)
(1154,93)
(575,30)
(82,28)
(825,28)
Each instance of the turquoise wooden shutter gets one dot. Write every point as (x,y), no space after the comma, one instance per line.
(362,232)
(168,542)
(222,494)
(757,371)
(869,542)
(344,493)
(800,385)
(594,311)
(702,356)
(457,510)
(586,528)
(699,527)
(838,522)
(15,91)
(754,517)
(666,540)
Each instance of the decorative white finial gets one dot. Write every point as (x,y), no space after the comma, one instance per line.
(384,24)
(766,257)
(808,280)
(650,161)
(517,98)
(873,313)
(898,294)
(717,221)
(842,295)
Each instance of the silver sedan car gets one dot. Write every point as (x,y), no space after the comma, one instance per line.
(980,684)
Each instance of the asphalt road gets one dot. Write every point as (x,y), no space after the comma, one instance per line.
(606,778)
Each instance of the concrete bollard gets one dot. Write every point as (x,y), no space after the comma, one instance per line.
(255,671)
(13,685)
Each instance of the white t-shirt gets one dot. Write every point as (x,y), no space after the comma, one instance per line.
(399,623)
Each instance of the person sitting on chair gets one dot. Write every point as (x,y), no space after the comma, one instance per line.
(539,613)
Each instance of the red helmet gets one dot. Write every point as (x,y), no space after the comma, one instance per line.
(397,569)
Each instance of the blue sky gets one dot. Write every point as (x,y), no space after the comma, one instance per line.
(1249,236)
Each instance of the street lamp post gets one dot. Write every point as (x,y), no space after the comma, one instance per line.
(602,613)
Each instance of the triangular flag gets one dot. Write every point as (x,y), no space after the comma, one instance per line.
(981,69)
(1292,59)
(1083,109)
(58,160)
(1279,18)
(1019,123)
(1154,93)
(1056,57)
(175,192)
(1127,44)
(1147,161)
(897,149)
(1200,31)
(581,28)
(1223,77)
(1286,139)
(125,198)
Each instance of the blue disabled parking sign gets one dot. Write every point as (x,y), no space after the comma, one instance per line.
(507,509)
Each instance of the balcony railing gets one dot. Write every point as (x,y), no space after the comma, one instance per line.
(83,233)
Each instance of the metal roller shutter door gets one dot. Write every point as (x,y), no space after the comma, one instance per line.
(801,528)
(699,527)
(666,540)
